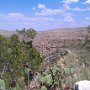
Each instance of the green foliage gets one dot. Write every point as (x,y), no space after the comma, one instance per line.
(13,54)
(84,55)
(31,32)
(87,39)
(28,32)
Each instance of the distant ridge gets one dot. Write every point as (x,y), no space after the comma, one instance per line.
(45,40)
(6,33)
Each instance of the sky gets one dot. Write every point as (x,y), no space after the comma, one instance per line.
(44,14)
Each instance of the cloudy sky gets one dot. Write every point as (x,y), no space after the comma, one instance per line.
(44,14)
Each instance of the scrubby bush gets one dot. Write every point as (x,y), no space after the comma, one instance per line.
(14,53)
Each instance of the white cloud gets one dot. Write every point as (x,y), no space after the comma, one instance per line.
(19,20)
(87,18)
(41,6)
(15,15)
(70,1)
(66,7)
(88,9)
(46,12)
(33,8)
(68,14)
(87,2)
(1,14)
(68,17)
(22,17)
(78,9)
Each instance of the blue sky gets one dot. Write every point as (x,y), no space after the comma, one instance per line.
(44,14)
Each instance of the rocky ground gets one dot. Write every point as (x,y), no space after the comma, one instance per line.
(47,41)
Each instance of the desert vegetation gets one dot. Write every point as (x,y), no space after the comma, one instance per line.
(15,52)
(67,52)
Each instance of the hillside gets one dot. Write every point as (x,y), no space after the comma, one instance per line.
(61,50)
(6,33)
(47,41)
